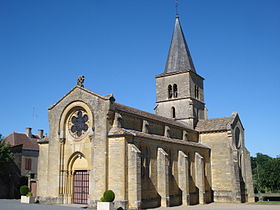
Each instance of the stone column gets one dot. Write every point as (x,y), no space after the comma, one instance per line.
(134,177)
(199,177)
(183,177)
(163,177)
(69,187)
(64,190)
(61,168)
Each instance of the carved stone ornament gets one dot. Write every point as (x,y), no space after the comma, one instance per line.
(78,124)
(62,140)
(80,81)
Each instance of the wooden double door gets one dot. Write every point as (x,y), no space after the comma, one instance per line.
(80,187)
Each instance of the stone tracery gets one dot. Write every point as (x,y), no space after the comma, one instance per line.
(78,123)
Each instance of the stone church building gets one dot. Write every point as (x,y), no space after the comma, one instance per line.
(176,156)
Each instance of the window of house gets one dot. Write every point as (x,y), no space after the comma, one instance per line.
(169,91)
(27,164)
(173,111)
(175,91)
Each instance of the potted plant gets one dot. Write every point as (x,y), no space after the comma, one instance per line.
(106,202)
(26,196)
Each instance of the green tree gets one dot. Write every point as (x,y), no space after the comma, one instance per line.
(6,155)
(266,173)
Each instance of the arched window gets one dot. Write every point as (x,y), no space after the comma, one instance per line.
(169,91)
(175,91)
(173,111)
(237,138)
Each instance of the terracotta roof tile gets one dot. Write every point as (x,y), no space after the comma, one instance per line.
(16,139)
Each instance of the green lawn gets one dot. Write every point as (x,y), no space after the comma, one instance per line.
(268,194)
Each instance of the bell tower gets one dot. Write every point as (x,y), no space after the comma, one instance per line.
(179,89)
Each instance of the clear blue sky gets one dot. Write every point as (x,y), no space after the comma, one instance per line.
(121,45)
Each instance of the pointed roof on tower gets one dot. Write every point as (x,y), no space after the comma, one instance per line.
(179,57)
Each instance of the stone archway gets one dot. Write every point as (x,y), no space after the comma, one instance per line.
(78,178)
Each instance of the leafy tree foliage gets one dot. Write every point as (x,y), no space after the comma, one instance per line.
(6,155)
(266,173)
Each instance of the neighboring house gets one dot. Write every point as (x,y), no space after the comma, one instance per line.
(26,152)
(174,157)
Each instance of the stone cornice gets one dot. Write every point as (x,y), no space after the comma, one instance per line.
(175,99)
(177,72)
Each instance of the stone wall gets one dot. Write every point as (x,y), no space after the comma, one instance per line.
(159,174)
(222,169)
(231,166)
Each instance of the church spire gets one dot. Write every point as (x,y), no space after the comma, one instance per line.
(179,57)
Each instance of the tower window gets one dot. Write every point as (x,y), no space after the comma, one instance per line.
(169,91)
(175,91)
(173,111)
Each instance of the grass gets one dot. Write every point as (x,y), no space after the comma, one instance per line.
(267,194)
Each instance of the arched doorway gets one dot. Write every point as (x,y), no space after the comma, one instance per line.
(79,169)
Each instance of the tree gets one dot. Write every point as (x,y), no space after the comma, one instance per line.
(270,175)
(6,155)
(266,173)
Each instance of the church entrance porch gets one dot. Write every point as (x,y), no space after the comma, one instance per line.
(80,187)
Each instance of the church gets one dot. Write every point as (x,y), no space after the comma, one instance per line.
(176,156)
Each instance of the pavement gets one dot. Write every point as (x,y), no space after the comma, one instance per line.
(12,204)
(6,204)
(225,206)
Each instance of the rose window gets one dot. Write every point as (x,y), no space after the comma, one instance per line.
(78,124)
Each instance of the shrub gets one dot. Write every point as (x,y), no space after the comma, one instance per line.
(23,190)
(108,196)
(29,194)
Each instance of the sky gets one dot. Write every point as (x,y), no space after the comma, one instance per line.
(121,45)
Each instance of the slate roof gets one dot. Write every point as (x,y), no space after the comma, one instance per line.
(179,57)
(214,125)
(150,116)
(17,139)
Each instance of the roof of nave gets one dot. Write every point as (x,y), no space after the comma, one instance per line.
(150,116)
(17,139)
(216,124)
(128,132)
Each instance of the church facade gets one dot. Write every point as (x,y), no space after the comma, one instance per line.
(174,157)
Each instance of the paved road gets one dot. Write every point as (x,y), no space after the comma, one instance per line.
(16,205)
